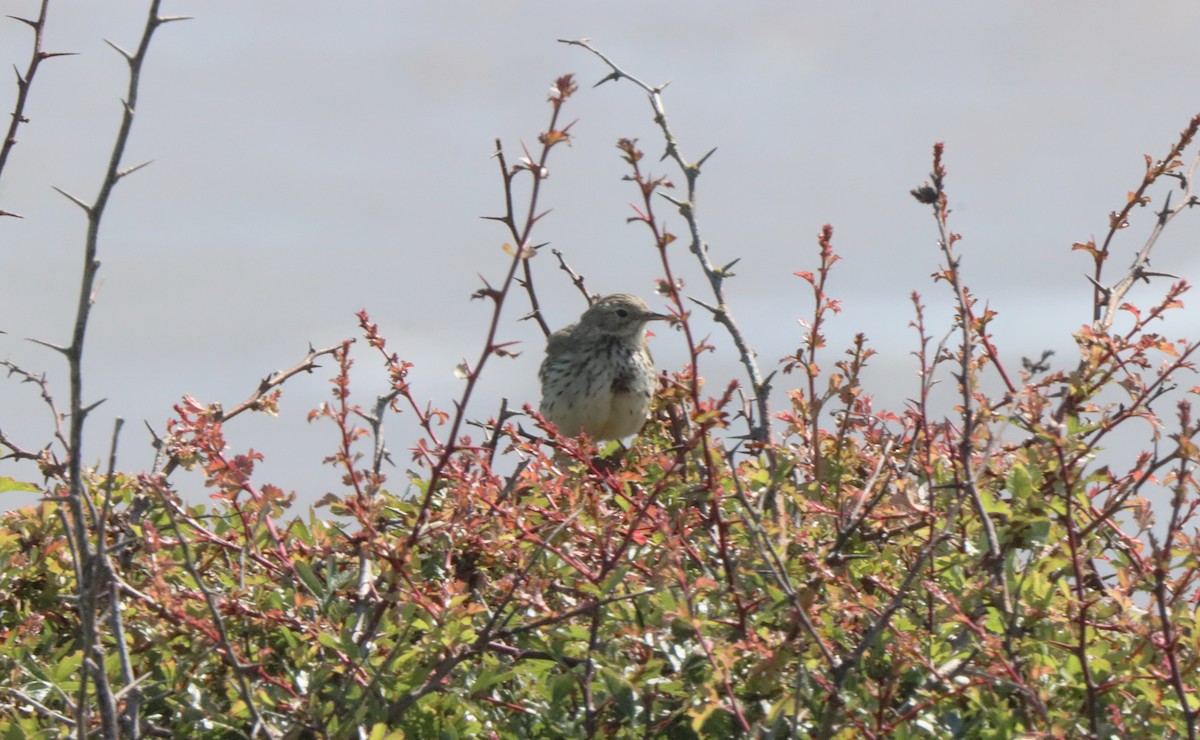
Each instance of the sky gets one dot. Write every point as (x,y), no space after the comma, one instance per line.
(311,160)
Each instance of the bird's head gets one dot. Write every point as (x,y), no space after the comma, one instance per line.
(618,315)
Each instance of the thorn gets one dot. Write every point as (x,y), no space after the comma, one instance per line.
(1166,209)
(91,407)
(676,201)
(715,311)
(766,382)
(135,168)
(64,350)
(13,215)
(86,208)
(705,157)
(122,52)
(172,18)
(157,443)
(613,76)
(742,438)
(26,21)
(1146,275)
(51,54)
(1106,292)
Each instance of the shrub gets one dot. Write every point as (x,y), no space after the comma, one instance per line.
(828,569)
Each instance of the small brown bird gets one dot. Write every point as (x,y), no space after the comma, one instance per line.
(597,376)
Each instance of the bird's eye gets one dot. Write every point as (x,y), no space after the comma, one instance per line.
(622,312)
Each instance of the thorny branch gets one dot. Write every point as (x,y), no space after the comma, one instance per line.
(1108,300)
(91,564)
(25,83)
(265,396)
(520,252)
(760,428)
(969,326)
(45,458)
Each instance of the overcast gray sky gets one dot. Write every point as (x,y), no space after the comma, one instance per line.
(313,159)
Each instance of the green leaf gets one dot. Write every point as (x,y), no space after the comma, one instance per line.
(1019,482)
(560,688)
(11,484)
(488,679)
(381,732)
(621,691)
(314,584)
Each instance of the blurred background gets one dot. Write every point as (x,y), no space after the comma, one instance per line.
(311,160)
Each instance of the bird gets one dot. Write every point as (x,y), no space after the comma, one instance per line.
(597,377)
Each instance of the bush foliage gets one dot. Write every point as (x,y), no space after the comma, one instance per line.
(826,569)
